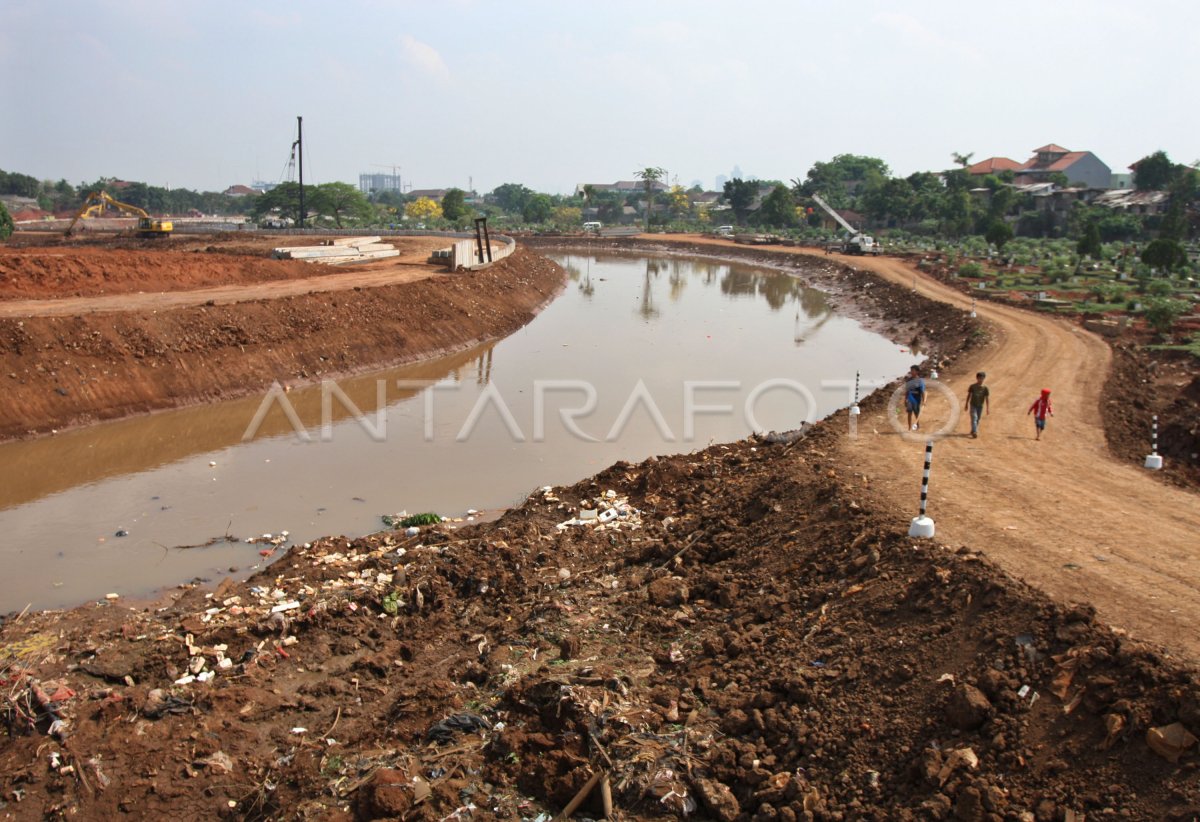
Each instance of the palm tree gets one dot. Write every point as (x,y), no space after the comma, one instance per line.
(963,160)
(649,176)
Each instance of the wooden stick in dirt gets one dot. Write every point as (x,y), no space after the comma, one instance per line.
(679,553)
(606,796)
(574,804)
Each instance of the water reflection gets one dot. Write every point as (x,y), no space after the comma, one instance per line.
(139,444)
(179,478)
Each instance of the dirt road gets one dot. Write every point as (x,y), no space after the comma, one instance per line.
(338,280)
(1061,514)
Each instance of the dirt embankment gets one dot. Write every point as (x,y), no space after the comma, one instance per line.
(59,371)
(1146,383)
(751,641)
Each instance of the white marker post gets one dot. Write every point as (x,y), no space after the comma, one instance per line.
(854,410)
(1154,461)
(922,526)
(973,314)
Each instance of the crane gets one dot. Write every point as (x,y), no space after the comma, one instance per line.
(97,201)
(858,243)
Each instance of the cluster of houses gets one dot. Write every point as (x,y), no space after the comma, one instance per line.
(1089,180)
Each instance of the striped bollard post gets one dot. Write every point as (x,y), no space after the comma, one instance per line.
(922,526)
(854,410)
(1154,461)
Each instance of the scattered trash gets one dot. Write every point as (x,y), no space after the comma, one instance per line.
(466,722)
(401,521)
(121,532)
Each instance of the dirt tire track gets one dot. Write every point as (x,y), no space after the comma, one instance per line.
(1062,514)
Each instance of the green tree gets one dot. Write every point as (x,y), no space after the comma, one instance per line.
(538,208)
(1174,225)
(927,191)
(835,179)
(955,213)
(650,177)
(1162,313)
(341,201)
(889,199)
(1154,172)
(740,195)
(962,160)
(512,197)
(283,200)
(454,205)
(1165,254)
(778,208)
(998,233)
(1089,243)
(20,185)
(565,218)
(6,223)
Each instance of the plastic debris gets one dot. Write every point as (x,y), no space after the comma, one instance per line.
(466,722)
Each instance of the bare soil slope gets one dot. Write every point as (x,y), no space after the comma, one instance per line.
(754,640)
(76,363)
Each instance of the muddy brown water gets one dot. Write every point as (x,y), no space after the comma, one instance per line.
(639,356)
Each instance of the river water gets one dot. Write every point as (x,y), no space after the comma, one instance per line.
(637,357)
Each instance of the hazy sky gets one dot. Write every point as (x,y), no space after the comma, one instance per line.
(205,94)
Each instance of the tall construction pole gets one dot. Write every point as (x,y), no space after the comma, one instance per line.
(300,147)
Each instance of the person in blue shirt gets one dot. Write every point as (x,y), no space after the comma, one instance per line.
(914,397)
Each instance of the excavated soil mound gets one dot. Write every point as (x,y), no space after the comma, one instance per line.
(745,638)
(110,265)
(1145,383)
(58,371)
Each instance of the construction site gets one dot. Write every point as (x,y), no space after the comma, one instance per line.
(740,629)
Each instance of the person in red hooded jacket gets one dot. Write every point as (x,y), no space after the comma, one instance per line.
(1040,409)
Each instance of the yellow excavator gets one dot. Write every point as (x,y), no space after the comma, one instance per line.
(97,201)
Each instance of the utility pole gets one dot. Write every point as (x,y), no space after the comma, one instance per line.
(300,147)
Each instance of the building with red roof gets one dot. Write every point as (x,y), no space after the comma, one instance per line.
(1081,168)
(993,165)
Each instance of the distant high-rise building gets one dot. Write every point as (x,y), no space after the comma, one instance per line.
(737,173)
(721,181)
(375,183)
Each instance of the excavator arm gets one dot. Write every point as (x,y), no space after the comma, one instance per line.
(817,199)
(97,201)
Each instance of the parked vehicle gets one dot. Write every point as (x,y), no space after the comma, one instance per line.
(857,243)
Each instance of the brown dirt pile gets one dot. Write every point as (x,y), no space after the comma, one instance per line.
(68,370)
(1144,383)
(40,267)
(751,639)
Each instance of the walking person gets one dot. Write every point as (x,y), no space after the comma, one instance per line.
(914,397)
(977,402)
(1040,409)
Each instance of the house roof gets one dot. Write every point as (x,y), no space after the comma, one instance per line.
(1060,164)
(240,190)
(1052,148)
(993,164)
(1124,198)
